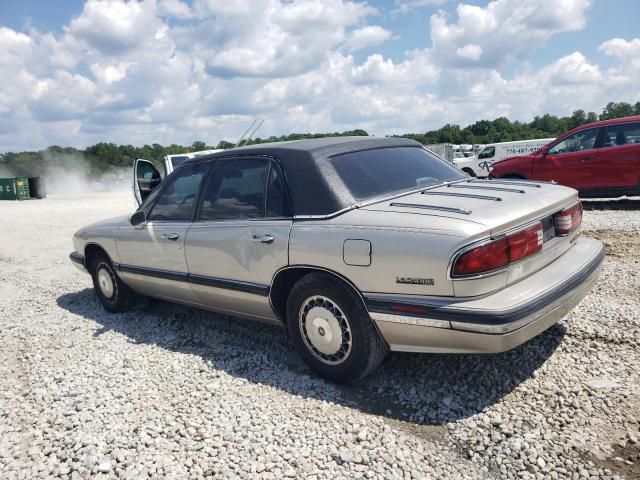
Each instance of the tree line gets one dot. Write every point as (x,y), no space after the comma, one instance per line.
(101,158)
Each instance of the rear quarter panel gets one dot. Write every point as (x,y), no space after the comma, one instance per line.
(400,248)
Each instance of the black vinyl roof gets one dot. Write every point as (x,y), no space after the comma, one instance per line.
(314,185)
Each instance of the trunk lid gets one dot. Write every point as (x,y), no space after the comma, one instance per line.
(499,205)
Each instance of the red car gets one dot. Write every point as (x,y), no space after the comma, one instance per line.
(601,159)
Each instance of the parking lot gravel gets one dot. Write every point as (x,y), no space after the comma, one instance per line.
(168,391)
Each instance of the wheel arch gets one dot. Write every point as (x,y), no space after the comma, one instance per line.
(91,250)
(286,277)
(469,171)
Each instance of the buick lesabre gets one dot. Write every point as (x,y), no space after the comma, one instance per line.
(357,246)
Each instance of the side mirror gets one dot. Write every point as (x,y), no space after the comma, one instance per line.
(544,151)
(138,219)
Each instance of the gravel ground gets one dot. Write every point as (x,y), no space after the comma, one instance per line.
(170,392)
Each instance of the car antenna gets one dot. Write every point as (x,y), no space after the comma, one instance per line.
(245,133)
(254,131)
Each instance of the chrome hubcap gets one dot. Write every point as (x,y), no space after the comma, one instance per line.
(106,283)
(325,330)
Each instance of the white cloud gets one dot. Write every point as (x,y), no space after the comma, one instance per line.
(115,27)
(277,38)
(405,6)
(367,37)
(175,9)
(170,71)
(470,52)
(504,29)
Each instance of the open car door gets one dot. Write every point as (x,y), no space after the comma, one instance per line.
(146,177)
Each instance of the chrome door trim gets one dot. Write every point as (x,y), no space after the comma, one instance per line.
(237,285)
(152,272)
(227,284)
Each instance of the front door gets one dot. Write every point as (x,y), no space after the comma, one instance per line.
(570,161)
(145,179)
(240,238)
(152,256)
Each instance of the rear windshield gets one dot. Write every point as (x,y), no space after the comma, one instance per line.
(382,171)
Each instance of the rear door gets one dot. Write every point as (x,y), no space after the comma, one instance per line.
(570,161)
(241,236)
(617,164)
(152,255)
(146,178)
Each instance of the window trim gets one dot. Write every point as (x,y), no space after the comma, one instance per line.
(163,186)
(212,170)
(596,145)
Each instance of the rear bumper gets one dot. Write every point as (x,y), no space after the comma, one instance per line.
(78,261)
(496,322)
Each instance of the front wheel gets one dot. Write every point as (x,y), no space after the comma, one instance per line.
(112,292)
(332,330)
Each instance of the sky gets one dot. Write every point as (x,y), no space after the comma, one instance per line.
(138,72)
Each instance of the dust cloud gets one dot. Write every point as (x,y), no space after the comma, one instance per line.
(69,174)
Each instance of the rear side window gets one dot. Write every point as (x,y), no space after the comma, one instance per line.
(235,190)
(277,204)
(382,171)
(177,199)
(618,135)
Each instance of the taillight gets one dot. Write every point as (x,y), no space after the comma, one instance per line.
(525,242)
(483,258)
(500,252)
(569,219)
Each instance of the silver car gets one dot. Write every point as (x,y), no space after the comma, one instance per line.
(357,246)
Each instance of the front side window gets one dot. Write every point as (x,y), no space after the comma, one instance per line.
(618,135)
(579,141)
(384,171)
(488,152)
(236,190)
(177,200)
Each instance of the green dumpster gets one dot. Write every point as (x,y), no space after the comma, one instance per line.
(14,188)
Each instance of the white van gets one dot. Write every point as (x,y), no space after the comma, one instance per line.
(478,166)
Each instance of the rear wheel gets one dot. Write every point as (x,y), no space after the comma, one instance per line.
(332,330)
(112,292)
(468,171)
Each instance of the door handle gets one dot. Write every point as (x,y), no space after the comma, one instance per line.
(262,238)
(586,159)
(171,236)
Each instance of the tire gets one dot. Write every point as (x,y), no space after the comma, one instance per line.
(112,292)
(513,176)
(469,172)
(351,346)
